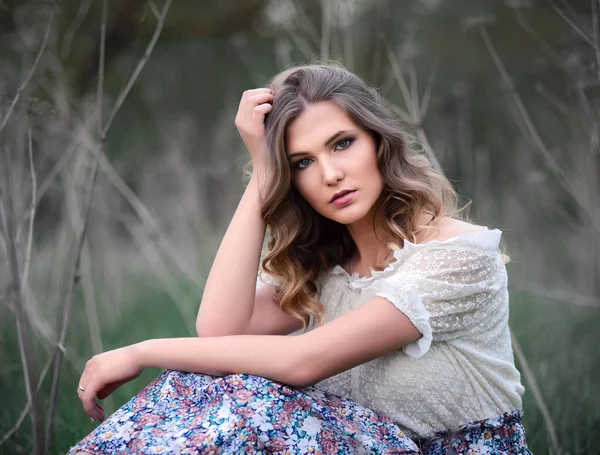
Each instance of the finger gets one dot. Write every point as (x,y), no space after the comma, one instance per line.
(256,91)
(100,412)
(249,104)
(259,112)
(88,400)
(81,383)
(110,388)
(261,98)
(84,379)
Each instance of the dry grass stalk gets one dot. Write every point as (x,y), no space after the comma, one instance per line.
(416,110)
(531,133)
(27,79)
(90,193)
(537,393)
(18,281)
(414,117)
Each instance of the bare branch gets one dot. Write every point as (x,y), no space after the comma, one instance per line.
(552,99)
(575,27)
(53,172)
(348,38)
(596,32)
(31,71)
(301,43)
(27,407)
(84,8)
(400,80)
(100,88)
(546,48)
(401,112)
(154,9)
(31,215)
(138,69)
(562,296)
(303,20)
(536,392)
(143,213)
(325,28)
(530,128)
(76,266)
(26,348)
(429,89)
(415,115)
(527,372)
(529,376)
(414,90)
(88,204)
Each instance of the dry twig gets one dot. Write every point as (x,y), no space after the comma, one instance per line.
(325,28)
(31,71)
(27,407)
(88,204)
(531,132)
(537,393)
(17,287)
(416,110)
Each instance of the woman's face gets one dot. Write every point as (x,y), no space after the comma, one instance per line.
(329,154)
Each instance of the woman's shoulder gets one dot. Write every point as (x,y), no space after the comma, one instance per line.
(456,240)
(447,228)
(454,235)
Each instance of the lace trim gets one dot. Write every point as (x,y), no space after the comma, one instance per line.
(487,239)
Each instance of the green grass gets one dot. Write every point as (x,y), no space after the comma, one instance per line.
(152,315)
(560,343)
(559,340)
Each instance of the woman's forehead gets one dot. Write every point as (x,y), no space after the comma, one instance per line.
(316,125)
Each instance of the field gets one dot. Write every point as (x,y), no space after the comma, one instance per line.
(120,169)
(559,342)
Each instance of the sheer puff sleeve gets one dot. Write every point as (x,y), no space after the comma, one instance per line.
(457,283)
(447,288)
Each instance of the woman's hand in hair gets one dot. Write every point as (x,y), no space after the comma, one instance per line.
(250,121)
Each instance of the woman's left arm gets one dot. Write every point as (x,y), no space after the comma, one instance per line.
(365,333)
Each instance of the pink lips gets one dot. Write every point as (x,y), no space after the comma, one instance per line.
(343,199)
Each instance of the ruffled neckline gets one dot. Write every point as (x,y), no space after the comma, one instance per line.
(487,239)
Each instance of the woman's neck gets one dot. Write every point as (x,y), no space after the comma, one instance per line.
(372,246)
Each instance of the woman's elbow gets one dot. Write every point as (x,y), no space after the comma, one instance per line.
(302,375)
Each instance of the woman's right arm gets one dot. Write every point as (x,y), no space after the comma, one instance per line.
(231,303)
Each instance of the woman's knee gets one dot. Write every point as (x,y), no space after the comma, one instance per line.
(242,381)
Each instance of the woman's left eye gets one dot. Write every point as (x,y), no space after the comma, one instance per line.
(344,144)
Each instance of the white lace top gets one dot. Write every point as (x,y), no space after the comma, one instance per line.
(462,369)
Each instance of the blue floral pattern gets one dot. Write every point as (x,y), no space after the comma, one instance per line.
(187,413)
(502,436)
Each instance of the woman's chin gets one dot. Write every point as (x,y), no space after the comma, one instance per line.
(347,215)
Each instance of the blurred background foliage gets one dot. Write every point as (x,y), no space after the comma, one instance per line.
(505,93)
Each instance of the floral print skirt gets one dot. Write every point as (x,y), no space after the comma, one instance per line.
(187,413)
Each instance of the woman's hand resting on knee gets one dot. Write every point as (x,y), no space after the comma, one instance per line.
(103,374)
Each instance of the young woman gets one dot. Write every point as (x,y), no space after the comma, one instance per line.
(402,307)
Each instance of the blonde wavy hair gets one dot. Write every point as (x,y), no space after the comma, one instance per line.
(303,243)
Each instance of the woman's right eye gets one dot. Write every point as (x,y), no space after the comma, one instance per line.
(302,164)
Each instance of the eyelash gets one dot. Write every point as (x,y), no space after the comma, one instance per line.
(350,140)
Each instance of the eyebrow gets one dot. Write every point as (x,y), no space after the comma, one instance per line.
(327,142)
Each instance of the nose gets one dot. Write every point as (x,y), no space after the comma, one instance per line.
(332,173)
